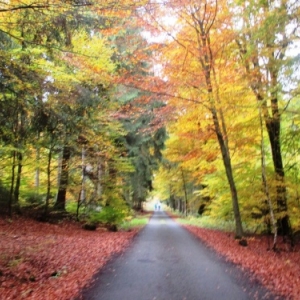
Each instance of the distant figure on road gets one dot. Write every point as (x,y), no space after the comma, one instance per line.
(157,206)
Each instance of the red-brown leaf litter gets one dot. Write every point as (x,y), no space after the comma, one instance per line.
(47,261)
(279,271)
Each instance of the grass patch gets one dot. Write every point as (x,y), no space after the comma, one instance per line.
(216,224)
(139,220)
(208,222)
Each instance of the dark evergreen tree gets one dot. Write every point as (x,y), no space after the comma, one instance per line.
(144,149)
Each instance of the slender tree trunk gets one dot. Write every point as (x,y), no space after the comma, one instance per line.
(19,156)
(37,172)
(265,183)
(185,192)
(229,174)
(37,168)
(203,23)
(99,179)
(273,129)
(64,179)
(59,166)
(12,184)
(80,199)
(82,195)
(223,144)
(83,174)
(48,181)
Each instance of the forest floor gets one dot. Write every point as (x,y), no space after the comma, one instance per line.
(48,261)
(53,261)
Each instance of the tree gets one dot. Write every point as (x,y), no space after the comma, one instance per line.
(196,37)
(144,140)
(17,77)
(36,67)
(265,32)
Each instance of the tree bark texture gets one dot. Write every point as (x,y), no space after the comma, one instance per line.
(273,129)
(64,179)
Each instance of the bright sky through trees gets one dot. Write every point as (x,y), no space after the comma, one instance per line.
(110,80)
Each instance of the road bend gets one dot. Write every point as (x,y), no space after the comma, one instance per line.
(166,262)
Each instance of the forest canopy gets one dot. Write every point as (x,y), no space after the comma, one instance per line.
(106,103)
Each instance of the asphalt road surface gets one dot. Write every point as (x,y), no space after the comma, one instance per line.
(166,262)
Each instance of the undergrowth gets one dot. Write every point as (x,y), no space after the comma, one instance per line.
(138,220)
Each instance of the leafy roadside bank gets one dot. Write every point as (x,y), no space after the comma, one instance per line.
(278,271)
(55,261)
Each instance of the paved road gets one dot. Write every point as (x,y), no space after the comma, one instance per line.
(166,262)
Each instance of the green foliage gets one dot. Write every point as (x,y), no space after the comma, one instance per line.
(71,207)
(220,224)
(137,221)
(109,215)
(34,199)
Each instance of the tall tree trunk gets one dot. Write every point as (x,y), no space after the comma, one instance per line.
(229,174)
(220,130)
(64,179)
(19,156)
(203,23)
(59,166)
(180,205)
(37,168)
(48,181)
(99,180)
(273,129)
(172,201)
(263,80)
(265,183)
(272,123)
(83,174)
(82,194)
(12,184)
(185,192)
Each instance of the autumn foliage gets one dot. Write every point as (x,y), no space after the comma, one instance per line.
(52,261)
